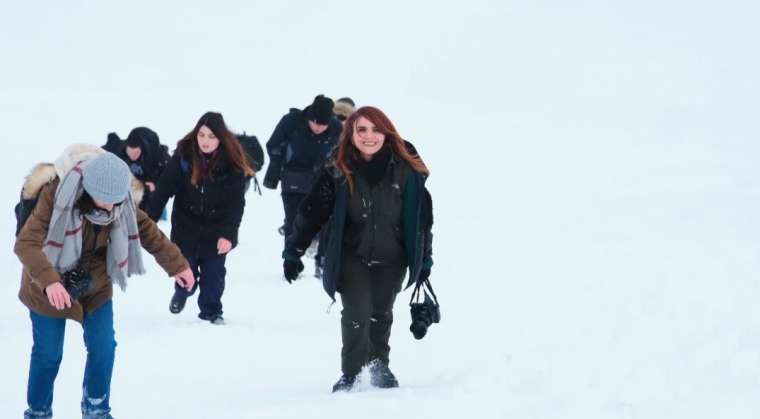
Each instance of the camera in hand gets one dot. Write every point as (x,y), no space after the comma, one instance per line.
(423,315)
(76,282)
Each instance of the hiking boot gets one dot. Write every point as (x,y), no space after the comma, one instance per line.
(178,302)
(381,376)
(345,383)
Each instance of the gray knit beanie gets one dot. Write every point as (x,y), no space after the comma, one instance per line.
(106,178)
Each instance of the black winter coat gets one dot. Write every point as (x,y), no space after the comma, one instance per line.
(296,153)
(201,214)
(153,158)
(327,202)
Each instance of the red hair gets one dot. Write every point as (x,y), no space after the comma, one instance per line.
(346,146)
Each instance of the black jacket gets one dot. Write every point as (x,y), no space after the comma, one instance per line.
(153,158)
(296,153)
(327,202)
(201,214)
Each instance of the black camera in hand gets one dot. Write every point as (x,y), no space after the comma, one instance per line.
(423,315)
(76,282)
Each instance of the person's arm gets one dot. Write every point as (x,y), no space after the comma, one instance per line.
(276,149)
(313,213)
(166,253)
(166,187)
(234,207)
(32,237)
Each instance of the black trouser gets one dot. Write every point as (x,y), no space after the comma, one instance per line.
(209,276)
(291,201)
(367,294)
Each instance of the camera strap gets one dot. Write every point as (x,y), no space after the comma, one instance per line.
(420,290)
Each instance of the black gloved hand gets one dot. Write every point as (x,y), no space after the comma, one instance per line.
(424,274)
(270,183)
(291,268)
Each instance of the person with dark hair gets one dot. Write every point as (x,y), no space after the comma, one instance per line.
(380,218)
(298,148)
(207,175)
(145,156)
(83,235)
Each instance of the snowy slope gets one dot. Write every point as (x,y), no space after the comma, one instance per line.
(595,190)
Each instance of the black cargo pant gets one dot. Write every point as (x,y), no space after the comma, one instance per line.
(291,201)
(367,293)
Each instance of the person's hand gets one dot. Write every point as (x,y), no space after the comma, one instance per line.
(223,245)
(185,279)
(424,274)
(270,183)
(58,296)
(151,186)
(291,268)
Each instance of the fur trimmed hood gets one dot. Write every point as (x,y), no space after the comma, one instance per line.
(343,109)
(43,173)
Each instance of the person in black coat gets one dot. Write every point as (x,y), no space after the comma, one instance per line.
(145,156)
(207,177)
(379,212)
(299,146)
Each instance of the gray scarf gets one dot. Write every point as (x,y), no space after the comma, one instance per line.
(63,246)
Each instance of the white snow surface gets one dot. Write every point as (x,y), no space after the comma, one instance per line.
(595,185)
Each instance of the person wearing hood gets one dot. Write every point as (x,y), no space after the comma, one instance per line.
(207,175)
(145,156)
(343,108)
(300,145)
(84,234)
(380,218)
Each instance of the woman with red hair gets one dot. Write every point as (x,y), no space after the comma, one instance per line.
(380,217)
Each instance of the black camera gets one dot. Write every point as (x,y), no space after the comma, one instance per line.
(76,282)
(423,315)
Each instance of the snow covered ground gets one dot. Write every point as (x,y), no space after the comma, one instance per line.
(594,175)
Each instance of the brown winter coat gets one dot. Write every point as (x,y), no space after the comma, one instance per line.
(38,272)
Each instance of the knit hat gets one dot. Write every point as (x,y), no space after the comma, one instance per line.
(343,108)
(106,178)
(321,110)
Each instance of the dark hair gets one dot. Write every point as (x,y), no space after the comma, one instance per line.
(85,204)
(229,146)
(346,146)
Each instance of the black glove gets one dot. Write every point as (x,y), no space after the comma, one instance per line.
(270,183)
(291,268)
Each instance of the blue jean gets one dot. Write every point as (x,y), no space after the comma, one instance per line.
(209,274)
(47,352)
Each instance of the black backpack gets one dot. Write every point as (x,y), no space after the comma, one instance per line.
(253,149)
(23,210)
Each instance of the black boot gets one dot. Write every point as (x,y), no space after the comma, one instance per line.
(381,376)
(178,302)
(345,383)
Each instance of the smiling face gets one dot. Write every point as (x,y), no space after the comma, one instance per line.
(367,138)
(207,141)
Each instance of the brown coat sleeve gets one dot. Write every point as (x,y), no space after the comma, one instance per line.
(153,240)
(30,239)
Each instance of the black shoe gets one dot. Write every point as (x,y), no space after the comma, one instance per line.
(345,383)
(381,376)
(178,302)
